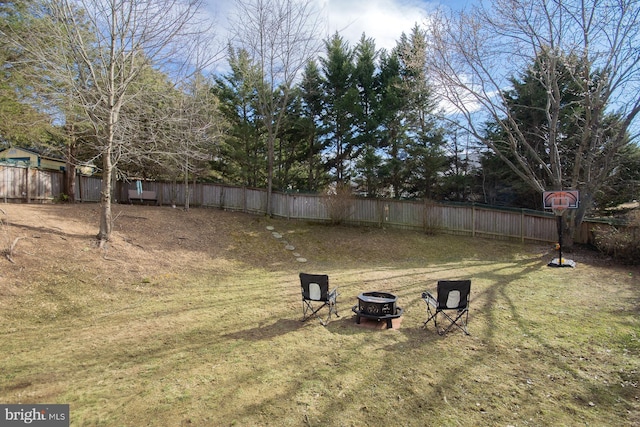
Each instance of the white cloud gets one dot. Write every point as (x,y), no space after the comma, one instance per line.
(382,20)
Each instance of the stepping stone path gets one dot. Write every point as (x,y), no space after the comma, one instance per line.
(288,246)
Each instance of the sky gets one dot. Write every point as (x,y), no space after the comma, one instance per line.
(382,20)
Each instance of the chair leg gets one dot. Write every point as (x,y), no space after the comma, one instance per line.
(309,311)
(333,309)
(454,322)
(307,307)
(431,316)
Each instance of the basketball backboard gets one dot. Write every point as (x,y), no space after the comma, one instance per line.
(564,199)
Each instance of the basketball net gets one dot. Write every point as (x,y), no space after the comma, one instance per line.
(559,204)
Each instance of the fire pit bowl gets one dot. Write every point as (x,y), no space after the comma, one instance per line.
(377,303)
(378,306)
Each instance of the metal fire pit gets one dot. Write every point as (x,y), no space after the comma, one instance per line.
(378,306)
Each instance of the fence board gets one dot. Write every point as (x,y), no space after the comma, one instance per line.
(29,184)
(22,184)
(88,188)
(12,183)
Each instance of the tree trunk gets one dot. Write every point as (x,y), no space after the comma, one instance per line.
(70,182)
(70,172)
(186,186)
(105,198)
(270,174)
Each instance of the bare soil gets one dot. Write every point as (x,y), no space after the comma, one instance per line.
(145,239)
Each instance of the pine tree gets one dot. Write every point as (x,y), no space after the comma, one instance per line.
(339,102)
(366,140)
(243,152)
(312,110)
(426,156)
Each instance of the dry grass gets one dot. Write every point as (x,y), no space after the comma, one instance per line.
(193,319)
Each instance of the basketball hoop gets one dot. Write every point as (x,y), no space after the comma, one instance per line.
(559,202)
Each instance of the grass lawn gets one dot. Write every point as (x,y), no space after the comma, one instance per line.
(193,318)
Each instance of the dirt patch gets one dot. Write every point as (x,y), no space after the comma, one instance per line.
(145,239)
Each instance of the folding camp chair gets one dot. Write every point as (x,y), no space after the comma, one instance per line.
(453,296)
(316,295)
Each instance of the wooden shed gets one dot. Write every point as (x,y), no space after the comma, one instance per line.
(23,157)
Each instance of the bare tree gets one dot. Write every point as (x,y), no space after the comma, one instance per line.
(280,36)
(106,45)
(174,130)
(197,127)
(475,54)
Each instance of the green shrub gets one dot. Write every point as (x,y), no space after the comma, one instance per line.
(62,198)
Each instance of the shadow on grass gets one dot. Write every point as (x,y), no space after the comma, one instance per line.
(54,231)
(424,341)
(267,331)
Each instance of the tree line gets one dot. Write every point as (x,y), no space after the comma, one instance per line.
(470,106)
(359,116)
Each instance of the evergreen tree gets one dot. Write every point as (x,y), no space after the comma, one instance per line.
(526,103)
(585,50)
(243,153)
(458,180)
(391,108)
(497,184)
(291,148)
(311,112)
(426,156)
(366,140)
(24,118)
(280,37)
(339,102)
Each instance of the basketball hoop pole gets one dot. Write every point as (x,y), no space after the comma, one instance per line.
(560,227)
(560,262)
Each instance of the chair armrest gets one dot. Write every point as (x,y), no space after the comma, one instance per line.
(429,299)
(333,295)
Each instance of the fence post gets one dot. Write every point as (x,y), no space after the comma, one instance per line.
(28,184)
(473,220)
(244,199)
(5,182)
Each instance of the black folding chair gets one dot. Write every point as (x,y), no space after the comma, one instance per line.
(452,302)
(316,296)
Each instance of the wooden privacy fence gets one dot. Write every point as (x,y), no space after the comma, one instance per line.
(33,185)
(29,185)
